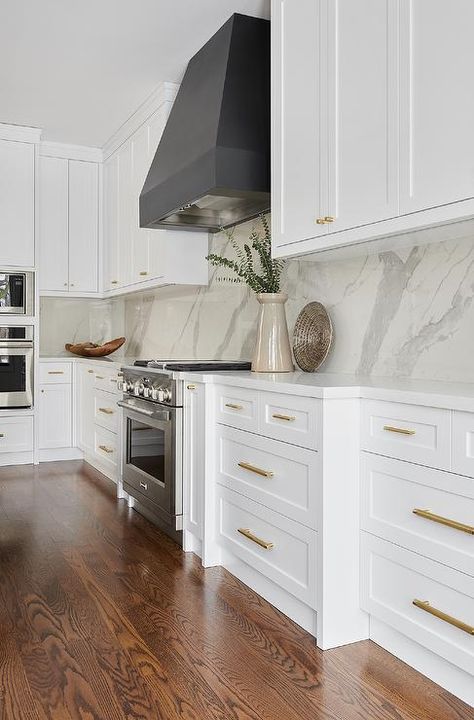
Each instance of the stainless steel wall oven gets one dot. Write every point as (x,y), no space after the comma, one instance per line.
(16,366)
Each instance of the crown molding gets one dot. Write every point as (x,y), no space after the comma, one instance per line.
(70,152)
(20,133)
(163,95)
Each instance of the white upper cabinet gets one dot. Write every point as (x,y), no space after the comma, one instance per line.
(136,257)
(68,226)
(299,172)
(437,103)
(17,203)
(83,226)
(362,124)
(53,224)
(372,119)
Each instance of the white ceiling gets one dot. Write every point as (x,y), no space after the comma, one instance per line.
(79,68)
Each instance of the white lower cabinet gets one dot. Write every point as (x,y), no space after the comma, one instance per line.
(55,416)
(16,440)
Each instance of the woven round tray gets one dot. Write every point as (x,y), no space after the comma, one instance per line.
(312,337)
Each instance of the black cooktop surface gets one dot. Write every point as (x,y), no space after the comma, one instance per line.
(195,365)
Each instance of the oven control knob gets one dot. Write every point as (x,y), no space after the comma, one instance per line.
(138,389)
(164,394)
(146,391)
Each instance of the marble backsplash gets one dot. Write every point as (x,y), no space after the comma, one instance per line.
(408,313)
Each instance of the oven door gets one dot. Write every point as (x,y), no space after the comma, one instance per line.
(16,293)
(151,470)
(16,375)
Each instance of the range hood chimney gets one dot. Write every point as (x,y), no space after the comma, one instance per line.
(212,166)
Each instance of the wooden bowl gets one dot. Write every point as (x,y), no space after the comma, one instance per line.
(92,350)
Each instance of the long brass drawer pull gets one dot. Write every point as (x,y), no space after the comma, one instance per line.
(55,372)
(250,536)
(99,377)
(469,529)
(288,418)
(400,431)
(256,470)
(233,406)
(106,449)
(425,605)
(106,411)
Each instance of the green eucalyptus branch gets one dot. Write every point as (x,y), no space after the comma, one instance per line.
(257,251)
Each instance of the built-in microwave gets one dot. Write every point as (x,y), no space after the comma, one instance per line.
(16,293)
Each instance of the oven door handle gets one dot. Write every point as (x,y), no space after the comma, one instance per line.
(163,415)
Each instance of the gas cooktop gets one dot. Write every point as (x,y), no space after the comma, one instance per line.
(195,365)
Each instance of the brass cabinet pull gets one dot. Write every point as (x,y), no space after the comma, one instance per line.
(2,435)
(99,377)
(425,605)
(106,411)
(114,282)
(400,431)
(191,387)
(329,218)
(248,534)
(325,220)
(113,380)
(55,372)
(106,449)
(428,515)
(143,272)
(90,371)
(233,406)
(256,470)
(288,418)
(119,374)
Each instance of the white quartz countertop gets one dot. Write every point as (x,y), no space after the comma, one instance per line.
(432,393)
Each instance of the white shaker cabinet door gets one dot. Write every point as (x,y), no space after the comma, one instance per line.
(299,154)
(125,213)
(437,103)
(53,224)
(17,204)
(362,111)
(140,236)
(83,226)
(55,416)
(111,212)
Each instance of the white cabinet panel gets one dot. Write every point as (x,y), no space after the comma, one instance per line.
(83,226)
(85,378)
(16,435)
(299,176)
(55,372)
(17,204)
(437,105)
(55,416)
(194,458)
(463,443)
(125,214)
(139,236)
(111,217)
(53,224)
(362,112)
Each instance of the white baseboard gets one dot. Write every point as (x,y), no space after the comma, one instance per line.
(16,458)
(191,543)
(451,678)
(101,467)
(55,454)
(301,614)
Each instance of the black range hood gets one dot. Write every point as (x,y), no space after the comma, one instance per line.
(212,166)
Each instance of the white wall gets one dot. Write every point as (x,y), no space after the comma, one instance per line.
(405,313)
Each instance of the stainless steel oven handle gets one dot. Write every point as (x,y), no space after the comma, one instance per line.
(141,411)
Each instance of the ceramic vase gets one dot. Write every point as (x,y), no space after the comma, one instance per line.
(272,348)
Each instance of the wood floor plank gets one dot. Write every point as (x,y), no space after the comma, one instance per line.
(104,618)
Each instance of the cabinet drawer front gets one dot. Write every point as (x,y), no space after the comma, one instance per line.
(395,498)
(237,407)
(292,419)
(16,434)
(279,548)
(105,379)
(105,446)
(407,432)
(279,476)
(51,372)
(463,443)
(106,410)
(393,578)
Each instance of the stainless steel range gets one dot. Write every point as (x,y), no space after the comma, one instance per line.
(152,445)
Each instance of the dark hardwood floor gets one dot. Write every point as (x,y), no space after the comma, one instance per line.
(102,617)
